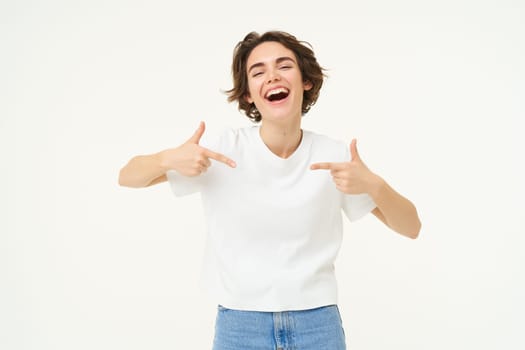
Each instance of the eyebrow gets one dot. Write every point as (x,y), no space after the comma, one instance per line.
(278,60)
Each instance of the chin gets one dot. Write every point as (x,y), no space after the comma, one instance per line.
(280,114)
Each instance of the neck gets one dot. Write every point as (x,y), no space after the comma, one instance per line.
(282,140)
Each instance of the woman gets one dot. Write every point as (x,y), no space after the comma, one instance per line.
(273,201)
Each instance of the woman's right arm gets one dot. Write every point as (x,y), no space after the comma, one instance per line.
(189,159)
(143,171)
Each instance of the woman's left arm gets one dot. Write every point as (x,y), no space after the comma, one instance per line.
(354,177)
(396,211)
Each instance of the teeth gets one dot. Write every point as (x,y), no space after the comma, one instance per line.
(276,91)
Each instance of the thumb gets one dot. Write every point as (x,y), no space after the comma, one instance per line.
(196,137)
(353,151)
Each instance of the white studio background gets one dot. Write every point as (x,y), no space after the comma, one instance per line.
(432,90)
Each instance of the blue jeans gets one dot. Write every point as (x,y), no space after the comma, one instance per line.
(319,329)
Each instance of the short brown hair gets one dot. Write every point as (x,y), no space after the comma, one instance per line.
(311,71)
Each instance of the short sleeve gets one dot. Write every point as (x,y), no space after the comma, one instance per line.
(184,185)
(356,206)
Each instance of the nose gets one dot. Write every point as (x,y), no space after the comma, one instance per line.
(273,75)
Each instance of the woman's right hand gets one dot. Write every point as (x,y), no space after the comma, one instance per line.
(191,159)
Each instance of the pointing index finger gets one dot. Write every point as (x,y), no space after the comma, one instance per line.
(220,158)
(323,165)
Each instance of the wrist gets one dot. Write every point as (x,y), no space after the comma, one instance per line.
(162,160)
(377,186)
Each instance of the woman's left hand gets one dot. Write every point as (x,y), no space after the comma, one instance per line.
(351,177)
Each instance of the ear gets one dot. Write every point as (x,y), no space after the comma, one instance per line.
(307,85)
(248,98)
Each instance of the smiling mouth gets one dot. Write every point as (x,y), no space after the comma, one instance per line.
(277,94)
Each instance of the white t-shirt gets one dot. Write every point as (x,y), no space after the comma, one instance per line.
(274,226)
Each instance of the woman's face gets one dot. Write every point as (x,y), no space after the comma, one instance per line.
(275,83)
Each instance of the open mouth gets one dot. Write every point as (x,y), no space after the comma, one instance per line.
(277,94)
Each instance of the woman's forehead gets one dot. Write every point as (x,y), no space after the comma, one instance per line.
(269,52)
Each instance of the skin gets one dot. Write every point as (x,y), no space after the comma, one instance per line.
(189,159)
(270,66)
(354,177)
